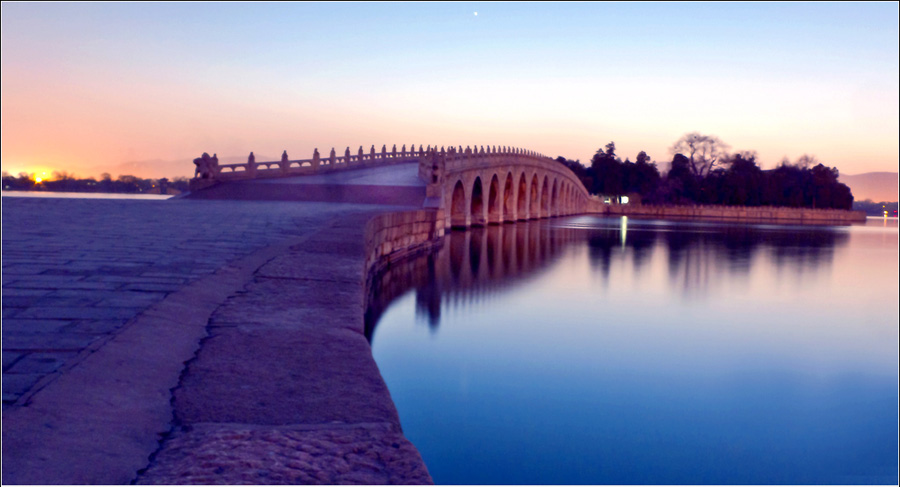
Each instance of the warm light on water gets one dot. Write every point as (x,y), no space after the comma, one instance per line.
(594,350)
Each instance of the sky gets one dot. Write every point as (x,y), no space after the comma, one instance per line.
(94,87)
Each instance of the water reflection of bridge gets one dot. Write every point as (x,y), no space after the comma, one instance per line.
(476,264)
(470,265)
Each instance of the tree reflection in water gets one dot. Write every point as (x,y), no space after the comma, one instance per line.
(475,264)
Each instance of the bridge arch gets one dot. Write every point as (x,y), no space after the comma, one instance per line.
(545,198)
(458,211)
(554,199)
(522,203)
(495,209)
(478,217)
(509,199)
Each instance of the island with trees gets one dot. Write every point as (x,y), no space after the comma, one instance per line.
(703,172)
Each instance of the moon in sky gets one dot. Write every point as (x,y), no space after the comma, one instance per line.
(476,14)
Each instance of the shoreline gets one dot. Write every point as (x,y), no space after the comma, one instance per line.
(756,214)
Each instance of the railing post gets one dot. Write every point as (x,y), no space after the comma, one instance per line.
(331,158)
(440,166)
(284,162)
(214,166)
(359,156)
(347,156)
(437,170)
(315,160)
(251,166)
(372,154)
(425,172)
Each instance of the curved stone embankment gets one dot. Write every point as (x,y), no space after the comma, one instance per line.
(284,388)
(103,302)
(227,332)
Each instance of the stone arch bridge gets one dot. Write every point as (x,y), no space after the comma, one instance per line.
(468,187)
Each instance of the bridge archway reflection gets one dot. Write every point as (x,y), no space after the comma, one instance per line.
(468,265)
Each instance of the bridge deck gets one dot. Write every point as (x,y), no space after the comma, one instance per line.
(387,185)
(405,174)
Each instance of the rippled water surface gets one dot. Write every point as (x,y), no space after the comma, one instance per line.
(593,350)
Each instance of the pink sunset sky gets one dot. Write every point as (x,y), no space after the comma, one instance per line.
(143,88)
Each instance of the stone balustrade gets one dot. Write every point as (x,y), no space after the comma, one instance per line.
(209,168)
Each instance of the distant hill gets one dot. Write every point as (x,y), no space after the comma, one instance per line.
(875,186)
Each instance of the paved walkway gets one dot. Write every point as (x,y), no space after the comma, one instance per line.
(104,301)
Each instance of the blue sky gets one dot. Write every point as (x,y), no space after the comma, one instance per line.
(92,83)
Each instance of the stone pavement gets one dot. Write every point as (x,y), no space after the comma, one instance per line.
(104,301)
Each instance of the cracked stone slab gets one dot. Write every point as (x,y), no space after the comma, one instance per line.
(290,302)
(341,267)
(280,376)
(366,454)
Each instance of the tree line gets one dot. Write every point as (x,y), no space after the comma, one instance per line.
(62,181)
(703,171)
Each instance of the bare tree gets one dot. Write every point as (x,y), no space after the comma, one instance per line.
(806,161)
(705,152)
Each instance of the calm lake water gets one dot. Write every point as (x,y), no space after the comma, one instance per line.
(592,350)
